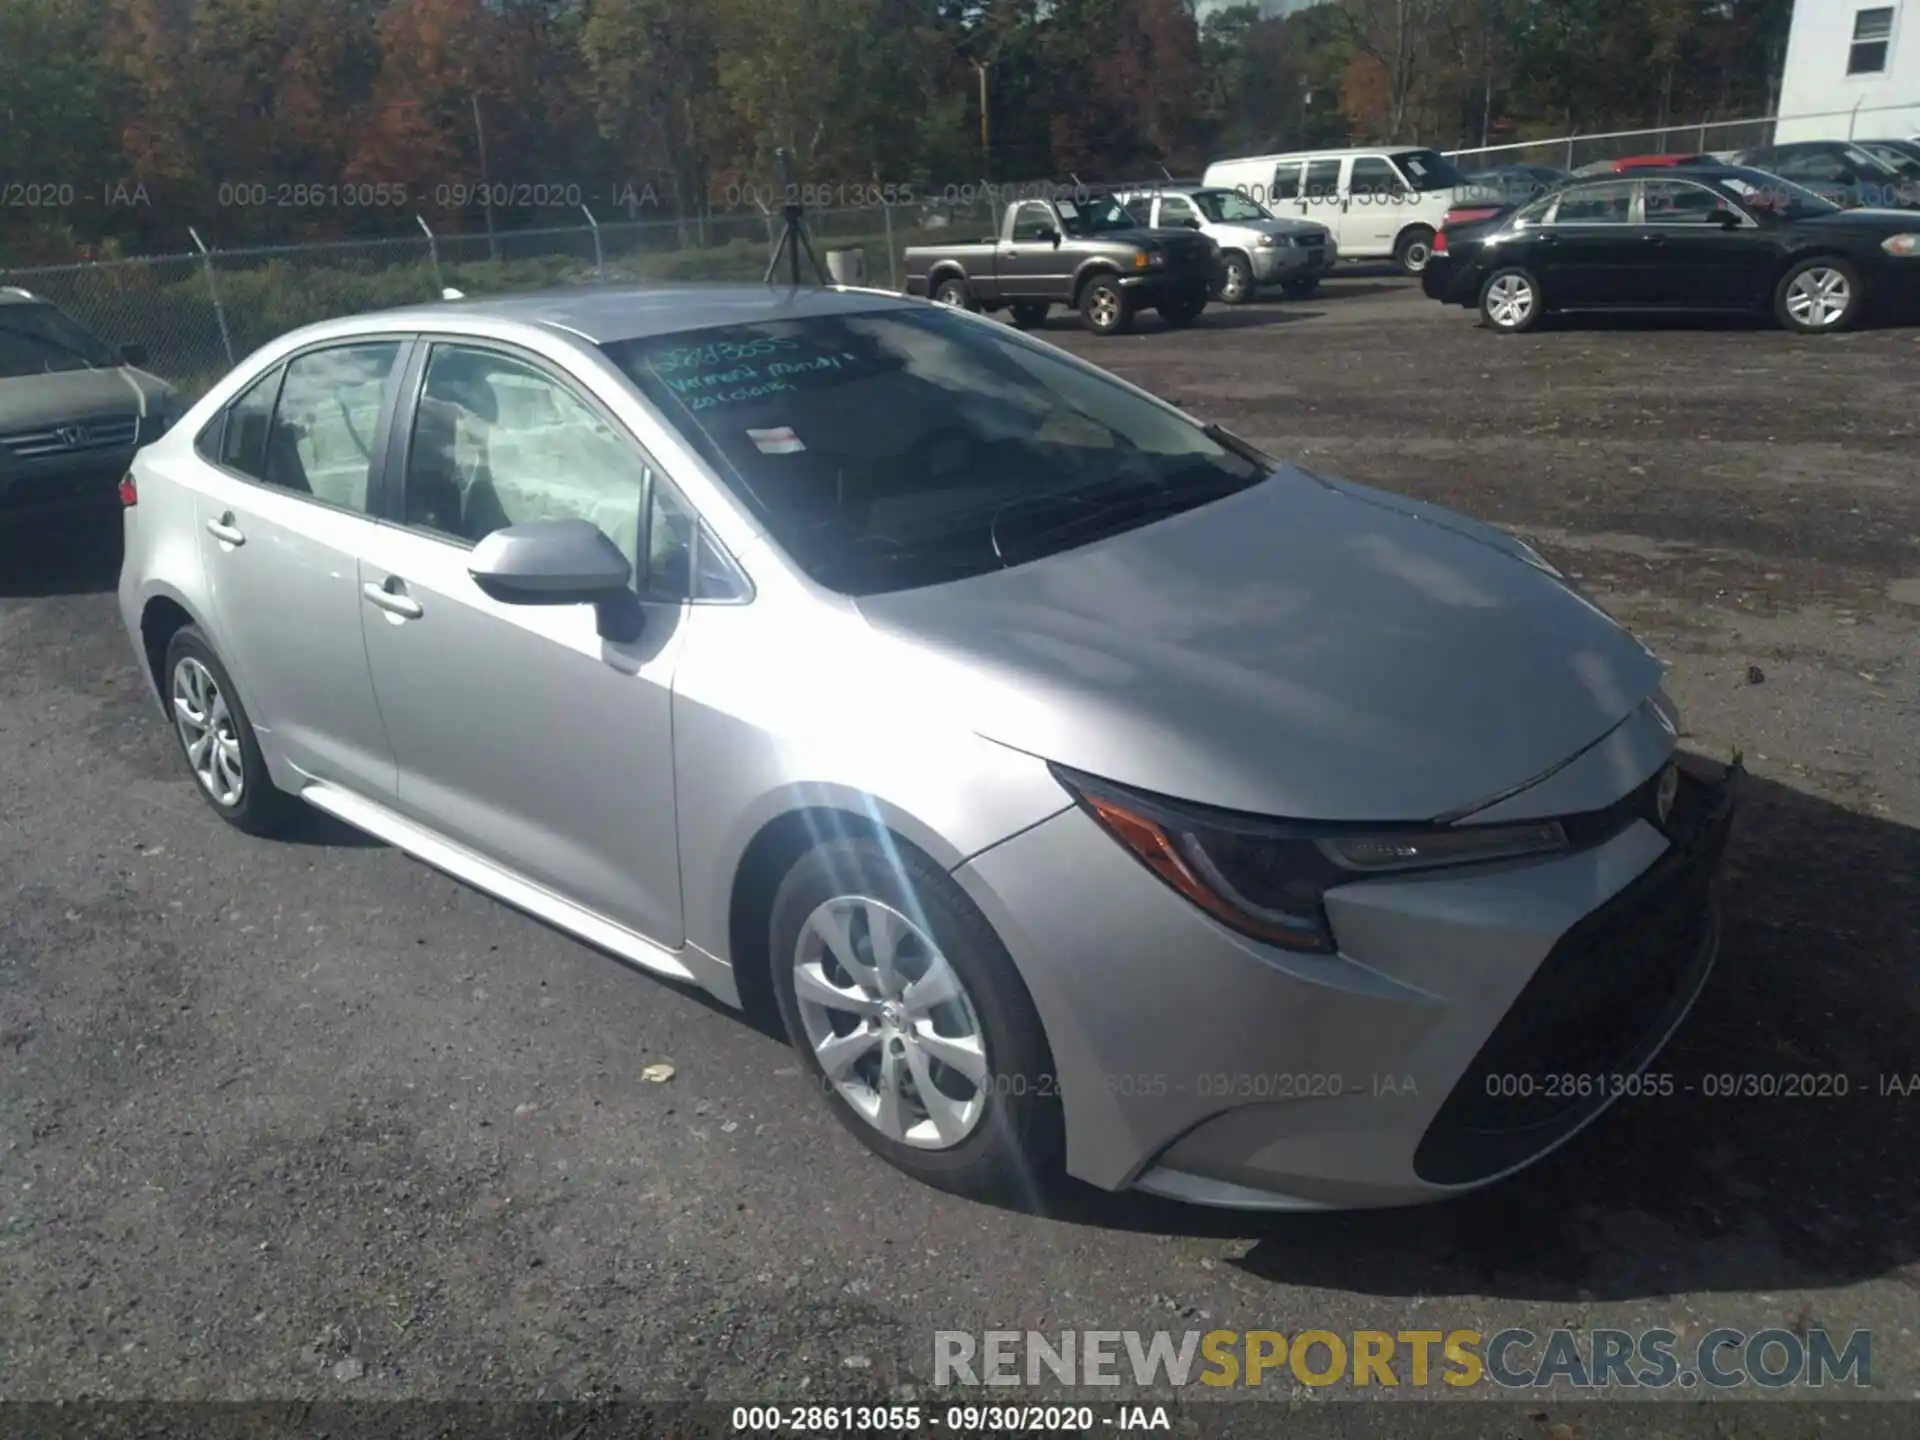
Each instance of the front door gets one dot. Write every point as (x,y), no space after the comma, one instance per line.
(1698,264)
(1376,206)
(283,510)
(1030,264)
(519,732)
(1589,254)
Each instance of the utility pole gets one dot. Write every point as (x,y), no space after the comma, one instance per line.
(486,183)
(986,148)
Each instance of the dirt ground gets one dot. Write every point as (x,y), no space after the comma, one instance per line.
(308,1119)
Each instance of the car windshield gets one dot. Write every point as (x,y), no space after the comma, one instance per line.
(39,340)
(1769,194)
(1094,214)
(1228,207)
(1429,170)
(890,449)
(1895,159)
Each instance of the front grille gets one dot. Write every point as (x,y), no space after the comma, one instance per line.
(1605,994)
(79,438)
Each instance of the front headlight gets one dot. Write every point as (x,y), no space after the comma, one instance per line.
(1148,259)
(1269,878)
(1908,244)
(1267,242)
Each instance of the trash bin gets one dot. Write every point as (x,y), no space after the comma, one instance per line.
(847,267)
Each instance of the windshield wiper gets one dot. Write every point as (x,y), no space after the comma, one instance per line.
(1123,509)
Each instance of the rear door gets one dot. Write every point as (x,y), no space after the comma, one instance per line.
(1590,254)
(519,733)
(287,478)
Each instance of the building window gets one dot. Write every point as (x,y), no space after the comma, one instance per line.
(1871,31)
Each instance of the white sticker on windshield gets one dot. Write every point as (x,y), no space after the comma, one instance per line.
(781,441)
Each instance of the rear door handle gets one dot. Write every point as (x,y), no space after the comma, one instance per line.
(401,604)
(223,530)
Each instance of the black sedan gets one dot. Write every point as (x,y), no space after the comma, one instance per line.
(1708,238)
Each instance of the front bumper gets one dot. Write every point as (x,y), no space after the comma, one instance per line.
(1472,1022)
(70,485)
(1292,262)
(1149,286)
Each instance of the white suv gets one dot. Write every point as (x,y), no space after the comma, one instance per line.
(1385,203)
(1257,247)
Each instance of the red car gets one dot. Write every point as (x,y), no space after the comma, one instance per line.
(1635,162)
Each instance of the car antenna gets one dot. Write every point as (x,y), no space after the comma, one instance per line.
(1166,172)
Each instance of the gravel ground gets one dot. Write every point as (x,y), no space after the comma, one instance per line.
(308,1119)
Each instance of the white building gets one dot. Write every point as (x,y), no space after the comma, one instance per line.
(1852,70)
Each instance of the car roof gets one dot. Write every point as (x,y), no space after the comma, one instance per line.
(605,314)
(1324,154)
(14,295)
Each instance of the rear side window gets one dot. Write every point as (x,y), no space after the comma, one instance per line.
(1323,179)
(1372,175)
(1286,182)
(237,438)
(1596,205)
(324,427)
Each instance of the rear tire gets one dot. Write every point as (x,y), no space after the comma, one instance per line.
(1105,308)
(994,1134)
(1511,302)
(1821,296)
(954,291)
(1029,314)
(217,741)
(1413,249)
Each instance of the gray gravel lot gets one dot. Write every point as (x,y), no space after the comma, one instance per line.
(306,1118)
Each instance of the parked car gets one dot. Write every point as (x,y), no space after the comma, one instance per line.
(1088,254)
(72,412)
(1639,162)
(1694,238)
(1840,171)
(1515,184)
(1902,155)
(1377,204)
(1009,728)
(1257,248)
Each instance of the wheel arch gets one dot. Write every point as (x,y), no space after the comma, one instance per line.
(163,614)
(1088,273)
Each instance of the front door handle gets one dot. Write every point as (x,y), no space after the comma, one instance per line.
(394,603)
(223,530)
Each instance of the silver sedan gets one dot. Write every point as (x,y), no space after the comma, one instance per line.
(1086,789)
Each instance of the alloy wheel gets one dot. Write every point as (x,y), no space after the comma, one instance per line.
(1819,297)
(891,1023)
(1509,301)
(1233,286)
(208,733)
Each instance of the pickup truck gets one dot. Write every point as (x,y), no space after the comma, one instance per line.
(1087,253)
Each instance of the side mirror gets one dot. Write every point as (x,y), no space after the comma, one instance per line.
(1190,224)
(133,354)
(1050,235)
(560,562)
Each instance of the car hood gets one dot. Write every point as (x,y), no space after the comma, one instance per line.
(1229,230)
(29,401)
(1867,221)
(1307,648)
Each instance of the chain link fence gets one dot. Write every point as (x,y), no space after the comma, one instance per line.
(1570,152)
(198,313)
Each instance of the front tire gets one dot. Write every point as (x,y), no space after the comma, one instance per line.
(907,1011)
(1236,280)
(1181,312)
(217,740)
(1413,249)
(1105,308)
(1511,302)
(1821,296)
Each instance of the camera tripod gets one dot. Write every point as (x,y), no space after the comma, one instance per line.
(793,238)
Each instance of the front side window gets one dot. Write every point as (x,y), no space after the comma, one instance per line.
(1872,31)
(1596,205)
(1430,170)
(1230,207)
(498,442)
(322,439)
(1674,202)
(1032,222)
(1372,175)
(889,449)
(39,340)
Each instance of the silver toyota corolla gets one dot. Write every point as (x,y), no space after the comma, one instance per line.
(1084,787)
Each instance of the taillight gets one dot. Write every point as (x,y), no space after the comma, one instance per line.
(1467,214)
(1440,242)
(129,492)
